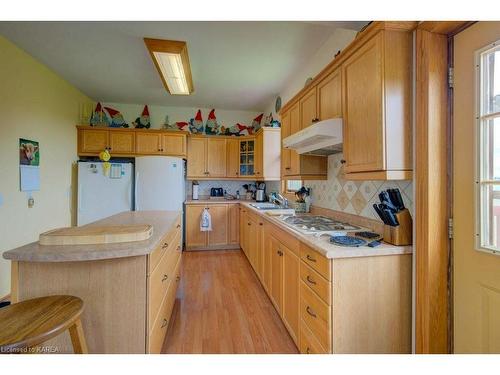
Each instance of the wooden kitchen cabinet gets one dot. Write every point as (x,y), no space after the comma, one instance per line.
(291,280)
(206,157)
(219,234)
(121,142)
(330,96)
(307,106)
(276,275)
(194,236)
(377,116)
(148,143)
(174,144)
(233,213)
(293,165)
(225,233)
(92,141)
(233,158)
(216,157)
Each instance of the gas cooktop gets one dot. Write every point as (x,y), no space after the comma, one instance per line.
(312,224)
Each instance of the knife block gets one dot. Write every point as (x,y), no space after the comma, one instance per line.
(402,234)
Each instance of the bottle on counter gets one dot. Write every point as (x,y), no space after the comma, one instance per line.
(237,194)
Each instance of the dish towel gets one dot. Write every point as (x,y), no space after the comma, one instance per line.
(206,221)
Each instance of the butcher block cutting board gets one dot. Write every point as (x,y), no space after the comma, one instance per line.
(94,235)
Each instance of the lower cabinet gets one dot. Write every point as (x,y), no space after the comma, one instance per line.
(346,305)
(225,230)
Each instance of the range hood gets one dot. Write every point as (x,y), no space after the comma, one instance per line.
(320,138)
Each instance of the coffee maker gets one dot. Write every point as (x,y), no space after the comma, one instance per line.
(260,194)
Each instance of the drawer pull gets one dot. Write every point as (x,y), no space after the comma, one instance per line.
(164,324)
(177,278)
(178,226)
(310,258)
(261,223)
(178,248)
(310,281)
(164,246)
(310,312)
(165,277)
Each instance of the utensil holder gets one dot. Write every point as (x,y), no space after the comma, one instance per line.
(401,234)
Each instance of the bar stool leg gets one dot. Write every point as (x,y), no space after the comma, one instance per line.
(78,338)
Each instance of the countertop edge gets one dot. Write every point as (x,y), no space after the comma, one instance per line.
(28,252)
(337,252)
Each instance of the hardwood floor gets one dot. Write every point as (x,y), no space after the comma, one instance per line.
(221,307)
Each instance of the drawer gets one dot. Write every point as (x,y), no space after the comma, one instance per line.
(160,279)
(308,343)
(286,239)
(316,315)
(316,261)
(160,326)
(169,240)
(320,285)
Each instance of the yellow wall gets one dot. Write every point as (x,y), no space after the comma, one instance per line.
(35,104)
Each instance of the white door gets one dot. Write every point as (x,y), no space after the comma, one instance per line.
(476,273)
(159,183)
(100,196)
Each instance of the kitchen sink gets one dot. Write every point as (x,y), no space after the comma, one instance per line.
(265,206)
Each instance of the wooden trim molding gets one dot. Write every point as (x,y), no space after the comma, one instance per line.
(431,193)
(14,282)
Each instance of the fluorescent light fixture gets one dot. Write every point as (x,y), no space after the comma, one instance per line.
(172,61)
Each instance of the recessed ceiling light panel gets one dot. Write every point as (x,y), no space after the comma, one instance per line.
(172,61)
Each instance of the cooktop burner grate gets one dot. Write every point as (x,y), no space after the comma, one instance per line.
(347,241)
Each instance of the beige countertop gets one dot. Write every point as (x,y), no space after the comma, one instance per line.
(162,222)
(329,250)
(207,200)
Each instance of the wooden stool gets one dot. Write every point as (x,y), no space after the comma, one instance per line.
(29,323)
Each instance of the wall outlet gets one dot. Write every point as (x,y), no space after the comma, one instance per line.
(31,202)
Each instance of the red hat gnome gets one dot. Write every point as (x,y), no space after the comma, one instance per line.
(196,124)
(99,118)
(211,127)
(244,129)
(117,120)
(182,125)
(143,121)
(256,123)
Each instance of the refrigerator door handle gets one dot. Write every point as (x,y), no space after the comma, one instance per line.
(79,192)
(136,187)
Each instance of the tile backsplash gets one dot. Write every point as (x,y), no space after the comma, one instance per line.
(229,186)
(354,197)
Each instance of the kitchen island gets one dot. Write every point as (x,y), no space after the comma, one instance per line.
(128,288)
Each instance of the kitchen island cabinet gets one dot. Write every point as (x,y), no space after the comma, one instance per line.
(128,289)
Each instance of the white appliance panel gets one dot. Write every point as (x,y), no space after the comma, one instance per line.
(159,183)
(100,196)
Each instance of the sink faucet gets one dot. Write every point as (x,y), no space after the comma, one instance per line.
(281,200)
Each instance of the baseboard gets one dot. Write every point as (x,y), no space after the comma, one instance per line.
(212,248)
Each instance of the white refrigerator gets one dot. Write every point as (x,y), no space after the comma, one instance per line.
(153,183)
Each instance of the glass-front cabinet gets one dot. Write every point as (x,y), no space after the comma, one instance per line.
(247,158)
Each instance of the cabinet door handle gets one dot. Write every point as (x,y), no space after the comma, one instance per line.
(343,161)
(308,351)
(288,168)
(310,281)
(249,223)
(178,248)
(165,277)
(178,226)
(177,278)
(164,324)
(164,246)
(310,258)
(315,120)
(261,223)
(310,312)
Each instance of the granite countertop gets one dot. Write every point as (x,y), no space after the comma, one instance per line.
(329,250)
(162,222)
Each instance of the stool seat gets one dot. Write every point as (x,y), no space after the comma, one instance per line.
(29,323)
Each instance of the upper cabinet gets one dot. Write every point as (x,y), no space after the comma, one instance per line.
(377,117)
(208,157)
(330,96)
(369,86)
(293,165)
(308,108)
(223,157)
(130,142)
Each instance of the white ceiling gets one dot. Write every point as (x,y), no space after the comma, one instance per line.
(235,65)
